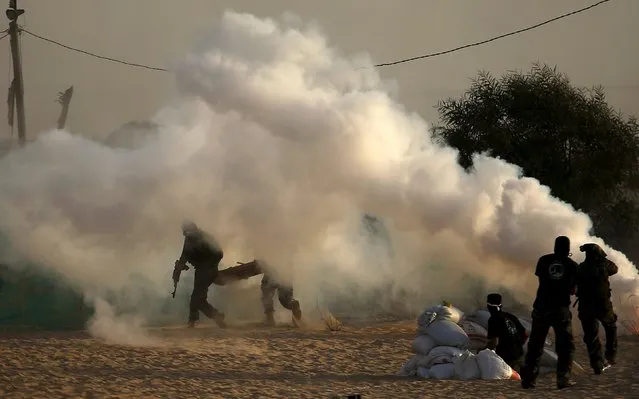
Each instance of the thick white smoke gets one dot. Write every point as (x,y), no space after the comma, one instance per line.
(277,147)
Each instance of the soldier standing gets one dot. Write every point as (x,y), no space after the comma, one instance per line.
(593,294)
(557,274)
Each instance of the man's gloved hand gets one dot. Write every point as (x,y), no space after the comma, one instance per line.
(177,270)
(180,266)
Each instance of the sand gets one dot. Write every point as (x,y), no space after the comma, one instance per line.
(259,362)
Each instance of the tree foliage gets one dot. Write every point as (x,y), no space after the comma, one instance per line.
(568,138)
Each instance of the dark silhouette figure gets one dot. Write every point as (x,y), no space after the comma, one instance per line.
(557,274)
(593,294)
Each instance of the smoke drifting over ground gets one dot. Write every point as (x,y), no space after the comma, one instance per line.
(278,147)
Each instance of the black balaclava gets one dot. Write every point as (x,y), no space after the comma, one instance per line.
(562,246)
(189,228)
(493,303)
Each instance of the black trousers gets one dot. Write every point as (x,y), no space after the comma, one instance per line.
(560,320)
(204,277)
(590,315)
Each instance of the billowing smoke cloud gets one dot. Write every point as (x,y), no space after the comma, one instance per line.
(122,330)
(278,147)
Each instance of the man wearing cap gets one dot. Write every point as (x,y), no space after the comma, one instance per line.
(593,294)
(557,281)
(506,334)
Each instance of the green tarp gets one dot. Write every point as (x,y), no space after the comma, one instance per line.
(32,300)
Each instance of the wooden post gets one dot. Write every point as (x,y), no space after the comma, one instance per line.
(12,14)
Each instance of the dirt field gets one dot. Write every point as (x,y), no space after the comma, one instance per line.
(256,362)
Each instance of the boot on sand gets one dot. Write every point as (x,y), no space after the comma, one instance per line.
(270,319)
(218,318)
(297,314)
(564,383)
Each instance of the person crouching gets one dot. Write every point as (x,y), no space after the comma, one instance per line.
(506,334)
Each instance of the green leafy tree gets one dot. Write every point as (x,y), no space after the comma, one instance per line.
(568,138)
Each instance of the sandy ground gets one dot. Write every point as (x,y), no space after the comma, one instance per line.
(258,362)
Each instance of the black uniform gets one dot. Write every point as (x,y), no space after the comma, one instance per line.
(509,333)
(557,274)
(284,294)
(204,254)
(593,292)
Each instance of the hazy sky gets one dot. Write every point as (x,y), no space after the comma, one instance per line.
(596,47)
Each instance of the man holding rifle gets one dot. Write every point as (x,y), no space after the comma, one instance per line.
(203,252)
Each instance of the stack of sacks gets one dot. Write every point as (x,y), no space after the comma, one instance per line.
(441,350)
(476,327)
(477,333)
(439,339)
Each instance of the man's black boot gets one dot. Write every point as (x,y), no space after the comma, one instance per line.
(564,383)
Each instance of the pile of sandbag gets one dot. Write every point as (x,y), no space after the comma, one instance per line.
(441,350)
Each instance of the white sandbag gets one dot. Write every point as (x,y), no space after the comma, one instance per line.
(472,328)
(493,367)
(409,368)
(477,343)
(423,372)
(546,370)
(426,318)
(452,313)
(423,361)
(466,367)
(548,357)
(422,344)
(480,317)
(446,333)
(439,312)
(440,355)
(442,371)
(528,326)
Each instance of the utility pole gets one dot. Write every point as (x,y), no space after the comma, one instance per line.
(12,14)
(64,98)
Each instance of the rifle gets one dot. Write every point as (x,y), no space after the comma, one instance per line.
(176,276)
(174,288)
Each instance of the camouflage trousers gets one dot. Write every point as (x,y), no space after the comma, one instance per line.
(284,294)
(590,316)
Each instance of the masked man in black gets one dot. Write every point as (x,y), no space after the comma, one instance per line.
(506,334)
(557,277)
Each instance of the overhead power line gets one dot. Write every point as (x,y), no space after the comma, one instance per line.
(102,57)
(494,38)
(132,64)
